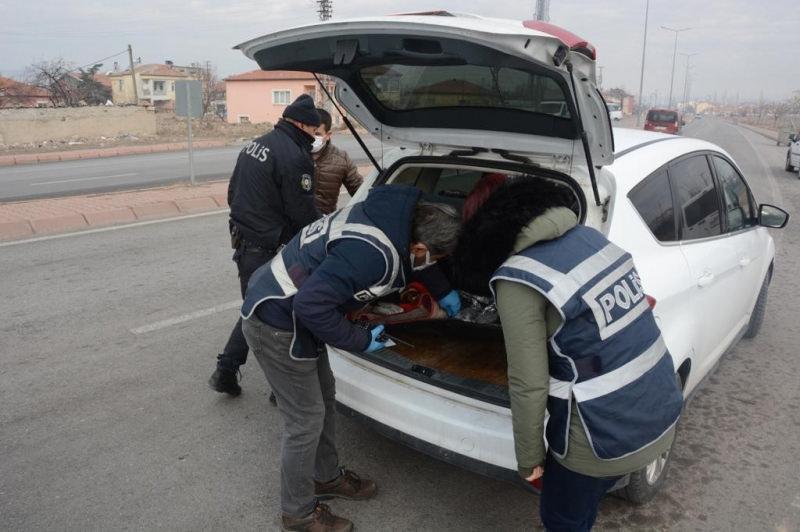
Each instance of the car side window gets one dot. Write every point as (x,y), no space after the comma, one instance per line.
(695,198)
(739,210)
(653,200)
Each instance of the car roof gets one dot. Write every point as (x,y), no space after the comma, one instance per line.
(640,153)
(627,139)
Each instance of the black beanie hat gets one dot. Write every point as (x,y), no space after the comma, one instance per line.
(303,110)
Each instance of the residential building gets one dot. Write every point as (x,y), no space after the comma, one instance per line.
(15,94)
(261,96)
(155,84)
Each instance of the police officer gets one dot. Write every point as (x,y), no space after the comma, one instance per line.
(297,303)
(581,343)
(271,198)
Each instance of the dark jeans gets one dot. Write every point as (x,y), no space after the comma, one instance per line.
(569,500)
(248,259)
(306,393)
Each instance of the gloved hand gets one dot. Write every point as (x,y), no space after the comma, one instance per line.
(451,303)
(375,344)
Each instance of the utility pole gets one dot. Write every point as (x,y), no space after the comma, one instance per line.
(325,9)
(674,57)
(686,79)
(600,77)
(133,76)
(542,10)
(641,74)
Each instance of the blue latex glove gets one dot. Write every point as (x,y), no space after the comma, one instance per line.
(451,303)
(376,345)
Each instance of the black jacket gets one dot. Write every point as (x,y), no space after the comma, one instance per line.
(270,192)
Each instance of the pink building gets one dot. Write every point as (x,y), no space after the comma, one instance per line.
(259,96)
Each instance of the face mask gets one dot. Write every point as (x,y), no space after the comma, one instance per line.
(318,144)
(427,262)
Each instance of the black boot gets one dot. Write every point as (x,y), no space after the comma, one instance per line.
(225,381)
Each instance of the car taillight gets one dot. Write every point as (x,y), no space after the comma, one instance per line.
(651,301)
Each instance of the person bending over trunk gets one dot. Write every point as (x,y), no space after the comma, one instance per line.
(581,342)
(297,303)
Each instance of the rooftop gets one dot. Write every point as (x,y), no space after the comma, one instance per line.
(271,75)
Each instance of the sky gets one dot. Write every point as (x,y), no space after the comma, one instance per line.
(746,50)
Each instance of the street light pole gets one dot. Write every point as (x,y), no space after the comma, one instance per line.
(686,78)
(641,75)
(674,57)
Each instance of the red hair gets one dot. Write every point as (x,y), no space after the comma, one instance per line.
(483,189)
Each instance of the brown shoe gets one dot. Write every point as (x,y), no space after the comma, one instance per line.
(348,486)
(320,520)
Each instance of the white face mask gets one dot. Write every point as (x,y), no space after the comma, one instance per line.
(427,262)
(318,144)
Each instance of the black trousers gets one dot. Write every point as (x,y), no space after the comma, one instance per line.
(569,500)
(248,259)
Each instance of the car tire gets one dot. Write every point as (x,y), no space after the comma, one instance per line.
(645,483)
(757,317)
(788,166)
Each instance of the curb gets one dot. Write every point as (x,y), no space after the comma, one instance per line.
(98,153)
(762,132)
(26,219)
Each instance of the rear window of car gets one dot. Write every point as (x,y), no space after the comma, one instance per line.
(652,198)
(662,116)
(411,87)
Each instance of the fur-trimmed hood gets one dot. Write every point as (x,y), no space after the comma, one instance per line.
(488,238)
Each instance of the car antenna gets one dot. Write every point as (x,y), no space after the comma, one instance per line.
(584,137)
(349,125)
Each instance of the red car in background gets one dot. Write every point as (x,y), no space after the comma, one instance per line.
(663,120)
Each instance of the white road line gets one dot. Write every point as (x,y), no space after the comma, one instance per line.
(43,183)
(163,324)
(112,228)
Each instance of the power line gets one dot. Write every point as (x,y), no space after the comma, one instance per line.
(99,60)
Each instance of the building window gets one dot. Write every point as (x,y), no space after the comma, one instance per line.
(172,86)
(244,119)
(158,86)
(281,97)
(119,84)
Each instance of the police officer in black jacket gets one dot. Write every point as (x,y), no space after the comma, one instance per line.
(271,198)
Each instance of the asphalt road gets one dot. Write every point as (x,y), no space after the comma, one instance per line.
(106,422)
(134,171)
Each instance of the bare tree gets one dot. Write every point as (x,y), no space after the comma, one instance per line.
(53,76)
(210,85)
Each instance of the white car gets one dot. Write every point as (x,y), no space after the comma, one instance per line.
(459,96)
(615,111)
(793,154)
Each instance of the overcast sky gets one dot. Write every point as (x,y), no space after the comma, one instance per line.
(745,49)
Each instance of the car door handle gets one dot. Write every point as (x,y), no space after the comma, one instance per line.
(705,279)
(744,261)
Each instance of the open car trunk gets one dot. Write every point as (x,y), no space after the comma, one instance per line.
(465,358)
(464,354)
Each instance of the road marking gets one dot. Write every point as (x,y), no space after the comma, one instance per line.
(163,324)
(43,183)
(112,228)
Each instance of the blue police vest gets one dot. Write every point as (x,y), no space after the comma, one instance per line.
(283,276)
(608,354)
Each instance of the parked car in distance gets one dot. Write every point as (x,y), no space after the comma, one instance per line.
(663,121)
(793,153)
(430,89)
(615,111)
